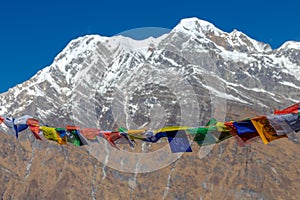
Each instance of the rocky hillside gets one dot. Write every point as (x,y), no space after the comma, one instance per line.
(43,170)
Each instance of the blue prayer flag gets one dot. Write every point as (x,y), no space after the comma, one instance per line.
(180,142)
(245,126)
(245,130)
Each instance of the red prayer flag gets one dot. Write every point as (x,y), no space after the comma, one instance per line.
(288,110)
(90,133)
(34,127)
(111,137)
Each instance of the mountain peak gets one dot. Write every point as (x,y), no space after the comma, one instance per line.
(194,21)
(195,25)
(236,40)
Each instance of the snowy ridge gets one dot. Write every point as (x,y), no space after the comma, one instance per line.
(240,39)
(290,45)
(204,29)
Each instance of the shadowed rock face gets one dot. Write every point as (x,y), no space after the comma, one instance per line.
(185,77)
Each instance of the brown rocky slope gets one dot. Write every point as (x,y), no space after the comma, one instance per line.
(31,169)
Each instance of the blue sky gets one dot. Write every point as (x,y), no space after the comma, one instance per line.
(34,32)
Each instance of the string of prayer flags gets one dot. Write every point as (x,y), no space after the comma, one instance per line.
(282,124)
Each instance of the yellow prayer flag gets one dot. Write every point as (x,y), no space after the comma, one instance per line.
(51,134)
(265,130)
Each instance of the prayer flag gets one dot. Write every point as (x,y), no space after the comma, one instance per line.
(73,131)
(244,130)
(34,127)
(265,130)
(179,142)
(283,123)
(90,133)
(51,134)
(291,109)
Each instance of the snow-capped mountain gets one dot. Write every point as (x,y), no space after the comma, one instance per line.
(113,81)
(93,69)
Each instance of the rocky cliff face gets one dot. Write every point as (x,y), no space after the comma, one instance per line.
(43,170)
(185,77)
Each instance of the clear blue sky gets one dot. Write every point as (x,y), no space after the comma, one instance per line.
(33,32)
